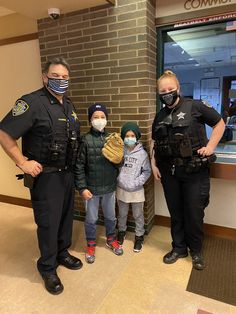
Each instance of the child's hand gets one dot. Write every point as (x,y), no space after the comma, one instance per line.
(86,194)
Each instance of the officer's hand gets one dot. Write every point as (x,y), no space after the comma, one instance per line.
(156,173)
(87,195)
(205,151)
(31,167)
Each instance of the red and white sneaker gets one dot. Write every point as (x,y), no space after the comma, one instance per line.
(114,246)
(90,252)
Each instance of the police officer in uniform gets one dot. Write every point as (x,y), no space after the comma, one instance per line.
(47,122)
(181,155)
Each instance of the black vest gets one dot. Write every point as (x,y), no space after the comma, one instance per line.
(178,134)
(58,145)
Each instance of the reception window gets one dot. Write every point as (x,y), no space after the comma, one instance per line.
(204,59)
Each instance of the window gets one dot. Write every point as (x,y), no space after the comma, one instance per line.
(203,58)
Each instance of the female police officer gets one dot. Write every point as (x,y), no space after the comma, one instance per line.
(48,125)
(181,155)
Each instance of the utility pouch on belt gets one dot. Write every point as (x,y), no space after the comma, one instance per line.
(184,143)
(27,179)
(200,162)
(162,146)
(209,159)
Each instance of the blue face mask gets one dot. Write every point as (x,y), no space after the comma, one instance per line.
(58,86)
(130,141)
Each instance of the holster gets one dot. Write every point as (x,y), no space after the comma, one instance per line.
(195,163)
(28,181)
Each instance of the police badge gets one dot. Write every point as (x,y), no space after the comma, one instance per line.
(20,107)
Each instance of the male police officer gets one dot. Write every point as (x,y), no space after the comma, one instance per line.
(48,125)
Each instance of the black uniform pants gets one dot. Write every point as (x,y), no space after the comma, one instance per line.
(187,195)
(53,202)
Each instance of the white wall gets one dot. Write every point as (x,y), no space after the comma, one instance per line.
(166,8)
(220,211)
(20,74)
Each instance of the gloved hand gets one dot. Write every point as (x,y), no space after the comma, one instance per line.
(113,148)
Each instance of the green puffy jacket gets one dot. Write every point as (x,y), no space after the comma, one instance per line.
(92,170)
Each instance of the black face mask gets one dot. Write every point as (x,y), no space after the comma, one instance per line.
(169,98)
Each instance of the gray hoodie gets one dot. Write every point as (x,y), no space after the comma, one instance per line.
(135,170)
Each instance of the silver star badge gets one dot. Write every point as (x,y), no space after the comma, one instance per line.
(74,115)
(181,115)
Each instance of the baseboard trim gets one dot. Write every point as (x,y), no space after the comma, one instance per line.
(162,221)
(213,230)
(219,231)
(15,200)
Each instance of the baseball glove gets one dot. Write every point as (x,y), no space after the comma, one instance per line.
(113,148)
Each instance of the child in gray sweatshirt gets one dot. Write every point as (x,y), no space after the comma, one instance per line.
(134,172)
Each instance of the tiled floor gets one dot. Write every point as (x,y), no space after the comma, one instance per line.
(132,283)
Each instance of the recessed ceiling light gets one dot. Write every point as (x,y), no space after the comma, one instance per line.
(174,45)
(196,64)
(190,59)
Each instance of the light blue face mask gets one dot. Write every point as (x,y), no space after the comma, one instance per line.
(130,141)
(58,86)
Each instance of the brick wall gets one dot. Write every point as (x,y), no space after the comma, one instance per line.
(112,53)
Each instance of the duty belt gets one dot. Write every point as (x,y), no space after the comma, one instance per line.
(54,169)
(180,162)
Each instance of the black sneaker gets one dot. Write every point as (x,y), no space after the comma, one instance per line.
(121,236)
(138,243)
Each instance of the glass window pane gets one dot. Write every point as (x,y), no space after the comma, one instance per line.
(204,60)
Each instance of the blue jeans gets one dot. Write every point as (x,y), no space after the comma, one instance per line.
(107,202)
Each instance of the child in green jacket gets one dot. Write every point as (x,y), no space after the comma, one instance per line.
(95,178)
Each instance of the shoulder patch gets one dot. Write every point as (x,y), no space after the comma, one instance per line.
(206,103)
(20,107)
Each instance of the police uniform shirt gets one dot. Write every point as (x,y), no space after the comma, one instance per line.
(46,127)
(29,113)
(202,113)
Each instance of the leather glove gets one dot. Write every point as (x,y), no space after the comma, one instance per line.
(113,148)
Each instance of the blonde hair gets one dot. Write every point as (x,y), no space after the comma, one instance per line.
(168,74)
